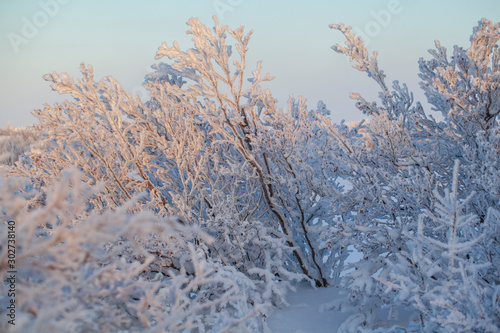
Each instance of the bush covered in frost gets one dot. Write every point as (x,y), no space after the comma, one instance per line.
(14,142)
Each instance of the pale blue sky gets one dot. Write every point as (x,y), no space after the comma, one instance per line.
(120,38)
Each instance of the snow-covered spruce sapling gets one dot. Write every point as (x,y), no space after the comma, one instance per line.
(442,275)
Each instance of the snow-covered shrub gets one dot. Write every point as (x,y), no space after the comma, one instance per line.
(410,155)
(209,137)
(14,142)
(82,271)
(268,155)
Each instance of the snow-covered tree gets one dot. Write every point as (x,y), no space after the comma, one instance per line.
(443,274)
(410,154)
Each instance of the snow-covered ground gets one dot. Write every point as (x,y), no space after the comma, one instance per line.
(304,315)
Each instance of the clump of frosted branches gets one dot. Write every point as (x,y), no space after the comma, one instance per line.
(211,147)
(79,270)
